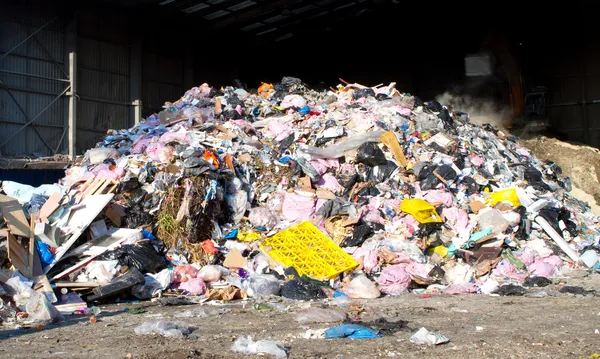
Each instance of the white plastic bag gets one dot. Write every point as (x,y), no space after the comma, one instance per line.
(361,288)
(338,150)
(424,336)
(262,286)
(248,346)
(178,330)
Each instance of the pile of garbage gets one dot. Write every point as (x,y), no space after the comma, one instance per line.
(286,191)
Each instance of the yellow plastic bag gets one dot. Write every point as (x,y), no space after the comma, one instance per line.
(508,194)
(423,211)
(248,236)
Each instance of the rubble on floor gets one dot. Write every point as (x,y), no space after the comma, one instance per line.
(356,192)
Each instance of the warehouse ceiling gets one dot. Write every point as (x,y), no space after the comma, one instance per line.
(261,20)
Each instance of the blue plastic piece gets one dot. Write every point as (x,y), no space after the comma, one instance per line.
(285,159)
(46,257)
(352,331)
(148,235)
(339,294)
(304,110)
(233,234)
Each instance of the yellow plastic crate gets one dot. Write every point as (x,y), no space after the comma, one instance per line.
(309,251)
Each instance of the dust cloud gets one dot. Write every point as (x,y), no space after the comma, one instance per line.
(480,111)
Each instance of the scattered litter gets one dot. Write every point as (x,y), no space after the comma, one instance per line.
(245,345)
(424,336)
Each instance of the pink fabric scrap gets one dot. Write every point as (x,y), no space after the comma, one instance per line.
(141,145)
(180,136)
(505,269)
(293,101)
(329,182)
(369,258)
(456,218)
(542,269)
(526,256)
(297,207)
(477,161)
(554,260)
(371,214)
(322,165)
(394,280)
(279,130)
(439,196)
(462,288)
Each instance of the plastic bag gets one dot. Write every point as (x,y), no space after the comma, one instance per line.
(508,194)
(409,248)
(155,283)
(423,211)
(360,234)
(394,280)
(301,289)
(424,336)
(320,315)
(184,273)
(244,345)
(262,285)
(98,155)
(194,286)
(352,331)
(262,217)
(141,255)
(39,309)
(371,155)
(340,148)
(492,219)
(361,288)
(211,273)
(177,330)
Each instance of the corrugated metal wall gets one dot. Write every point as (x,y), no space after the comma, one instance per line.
(103,87)
(41,55)
(163,80)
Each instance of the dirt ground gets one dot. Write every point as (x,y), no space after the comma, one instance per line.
(580,162)
(544,323)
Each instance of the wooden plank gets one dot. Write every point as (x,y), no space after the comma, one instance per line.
(50,206)
(17,255)
(103,187)
(76,285)
(14,216)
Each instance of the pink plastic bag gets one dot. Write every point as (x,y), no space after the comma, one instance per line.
(184,273)
(194,286)
(394,280)
(505,269)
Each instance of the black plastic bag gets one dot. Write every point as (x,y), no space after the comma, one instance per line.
(366,92)
(524,226)
(348,180)
(471,186)
(360,234)
(287,142)
(118,285)
(535,178)
(382,173)
(141,255)
(371,155)
(537,282)
(302,289)
(510,289)
(333,207)
(447,173)
(433,106)
(137,217)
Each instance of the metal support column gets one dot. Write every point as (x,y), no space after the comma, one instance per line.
(73,105)
(135,80)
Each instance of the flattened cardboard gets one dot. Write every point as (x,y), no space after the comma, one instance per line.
(234,259)
(14,216)
(389,139)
